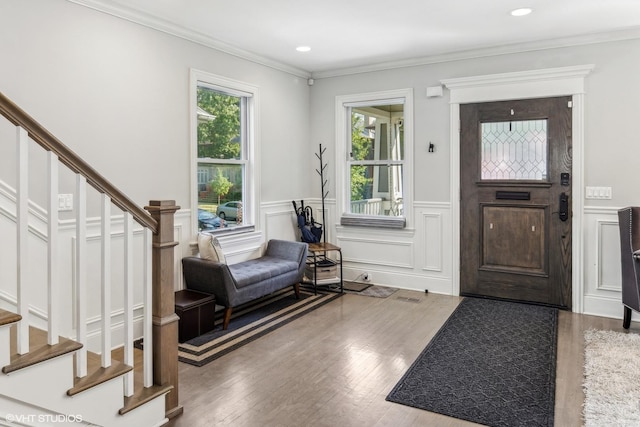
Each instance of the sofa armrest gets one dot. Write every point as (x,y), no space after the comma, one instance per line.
(210,277)
(289,250)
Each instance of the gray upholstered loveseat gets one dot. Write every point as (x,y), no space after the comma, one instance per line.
(281,265)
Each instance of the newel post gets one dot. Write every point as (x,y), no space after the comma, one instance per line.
(165,320)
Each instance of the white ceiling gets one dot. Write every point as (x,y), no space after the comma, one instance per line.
(347,34)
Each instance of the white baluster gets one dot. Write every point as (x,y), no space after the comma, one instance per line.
(148,309)
(128,301)
(81,274)
(22,221)
(53,282)
(105,288)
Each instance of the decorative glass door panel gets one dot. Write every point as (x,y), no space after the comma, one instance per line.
(514,150)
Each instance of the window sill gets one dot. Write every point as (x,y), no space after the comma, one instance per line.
(237,240)
(373,221)
(241,229)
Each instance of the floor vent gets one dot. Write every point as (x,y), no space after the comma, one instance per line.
(405,299)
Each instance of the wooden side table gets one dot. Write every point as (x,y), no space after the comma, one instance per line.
(196,311)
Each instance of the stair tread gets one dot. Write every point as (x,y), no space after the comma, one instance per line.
(8,317)
(39,350)
(143,395)
(96,374)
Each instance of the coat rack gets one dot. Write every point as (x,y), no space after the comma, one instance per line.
(323,184)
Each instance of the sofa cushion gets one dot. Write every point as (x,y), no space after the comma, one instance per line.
(210,248)
(254,271)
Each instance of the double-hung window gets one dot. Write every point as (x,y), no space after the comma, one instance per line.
(374,145)
(223,131)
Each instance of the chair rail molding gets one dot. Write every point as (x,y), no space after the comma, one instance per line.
(562,81)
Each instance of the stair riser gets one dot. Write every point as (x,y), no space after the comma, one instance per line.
(46,384)
(45,379)
(100,404)
(150,414)
(19,413)
(16,413)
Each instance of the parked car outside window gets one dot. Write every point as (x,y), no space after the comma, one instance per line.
(208,220)
(229,210)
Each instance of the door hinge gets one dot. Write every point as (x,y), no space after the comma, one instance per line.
(570,104)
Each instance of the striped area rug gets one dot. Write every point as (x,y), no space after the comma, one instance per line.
(249,322)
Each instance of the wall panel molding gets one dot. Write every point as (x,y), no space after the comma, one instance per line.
(433,243)
(602,271)
(280,224)
(378,252)
(608,273)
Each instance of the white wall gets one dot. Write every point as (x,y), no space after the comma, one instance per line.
(408,259)
(117,93)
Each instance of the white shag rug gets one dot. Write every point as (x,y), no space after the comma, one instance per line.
(612,379)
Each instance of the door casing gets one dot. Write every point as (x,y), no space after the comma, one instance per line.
(564,81)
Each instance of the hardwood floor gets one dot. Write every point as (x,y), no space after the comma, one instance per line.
(335,366)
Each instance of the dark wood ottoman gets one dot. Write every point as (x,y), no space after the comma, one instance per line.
(196,311)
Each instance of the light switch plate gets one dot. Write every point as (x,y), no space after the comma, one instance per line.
(65,202)
(600,193)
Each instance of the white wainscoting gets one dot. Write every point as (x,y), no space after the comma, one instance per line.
(380,249)
(36,286)
(36,246)
(279,220)
(602,275)
(421,256)
(417,257)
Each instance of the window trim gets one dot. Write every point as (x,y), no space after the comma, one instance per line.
(252,155)
(343,106)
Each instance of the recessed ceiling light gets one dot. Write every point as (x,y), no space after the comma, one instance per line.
(521,12)
(303,48)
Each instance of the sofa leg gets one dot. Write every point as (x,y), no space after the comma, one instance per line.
(227,318)
(296,289)
(626,322)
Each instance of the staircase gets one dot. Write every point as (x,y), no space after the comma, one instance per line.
(49,375)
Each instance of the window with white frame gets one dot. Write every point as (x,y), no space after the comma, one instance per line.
(374,137)
(223,131)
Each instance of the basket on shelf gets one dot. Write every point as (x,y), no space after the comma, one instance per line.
(325,269)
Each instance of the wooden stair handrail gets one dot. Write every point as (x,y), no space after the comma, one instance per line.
(46,140)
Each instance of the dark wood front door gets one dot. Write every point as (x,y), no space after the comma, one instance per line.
(515,176)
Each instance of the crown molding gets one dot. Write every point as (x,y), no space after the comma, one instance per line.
(587,39)
(149,21)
